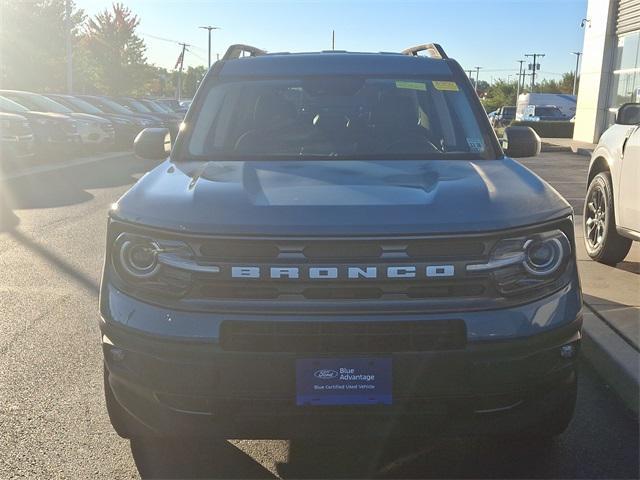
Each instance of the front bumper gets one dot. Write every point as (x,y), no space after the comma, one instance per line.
(192,386)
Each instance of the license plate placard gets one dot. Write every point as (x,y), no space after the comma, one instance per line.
(344,381)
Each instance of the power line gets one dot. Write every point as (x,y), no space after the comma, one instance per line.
(160,38)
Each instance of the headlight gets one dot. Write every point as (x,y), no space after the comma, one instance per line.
(524,263)
(137,257)
(152,266)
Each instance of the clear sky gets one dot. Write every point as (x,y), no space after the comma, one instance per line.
(493,34)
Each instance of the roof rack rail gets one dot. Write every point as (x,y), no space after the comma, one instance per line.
(237,50)
(433,50)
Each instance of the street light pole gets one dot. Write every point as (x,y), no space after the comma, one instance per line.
(69,48)
(575,77)
(209,28)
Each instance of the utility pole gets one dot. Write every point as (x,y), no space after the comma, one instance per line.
(575,77)
(520,76)
(534,67)
(333,39)
(181,61)
(477,78)
(209,28)
(69,48)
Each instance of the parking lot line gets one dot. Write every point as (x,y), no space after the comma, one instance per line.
(59,166)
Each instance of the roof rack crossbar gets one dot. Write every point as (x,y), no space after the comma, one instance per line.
(237,50)
(433,50)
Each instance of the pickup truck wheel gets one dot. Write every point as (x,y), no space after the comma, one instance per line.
(602,241)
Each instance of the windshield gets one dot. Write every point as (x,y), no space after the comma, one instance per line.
(9,106)
(109,105)
(156,107)
(509,111)
(38,103)
(79,105)
(136,105)
(338,117)
(548,112)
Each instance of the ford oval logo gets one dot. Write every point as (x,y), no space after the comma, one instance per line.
(325,374)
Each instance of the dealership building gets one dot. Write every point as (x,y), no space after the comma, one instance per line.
(610,71)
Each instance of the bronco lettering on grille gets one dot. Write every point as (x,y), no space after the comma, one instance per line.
(345,272)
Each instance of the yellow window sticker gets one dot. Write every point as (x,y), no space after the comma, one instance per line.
(445,85)
(411,85)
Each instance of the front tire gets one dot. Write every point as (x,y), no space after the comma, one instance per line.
(602,241)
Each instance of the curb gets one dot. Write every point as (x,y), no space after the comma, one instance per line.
(585,152)
(60,166)
(617,362)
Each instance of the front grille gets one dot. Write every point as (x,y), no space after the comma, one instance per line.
(338,253)
(68,126)
(342,337)
(340,291)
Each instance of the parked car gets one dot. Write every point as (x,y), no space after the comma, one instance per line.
(314,258)
(54,133)
(611,217)
(95,133)
(107,105)
(17,144)
(158,107)
(564,102)
(125,128)
(169,120)
(173,104)
(542,113)
(503,117)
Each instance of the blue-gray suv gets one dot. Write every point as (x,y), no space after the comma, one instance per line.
(337,244)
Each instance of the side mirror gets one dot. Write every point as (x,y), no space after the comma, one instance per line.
(153,144)
(628,114)
(518,142)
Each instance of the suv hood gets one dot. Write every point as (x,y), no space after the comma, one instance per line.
(340,197)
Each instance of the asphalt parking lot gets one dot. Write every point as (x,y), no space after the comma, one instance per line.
(52,419)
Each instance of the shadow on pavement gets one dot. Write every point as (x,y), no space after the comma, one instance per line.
(631,267)
(601,442)
(66,186)
(61,265)
(8,219)
(194,459)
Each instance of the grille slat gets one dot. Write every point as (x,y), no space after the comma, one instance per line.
(342,337)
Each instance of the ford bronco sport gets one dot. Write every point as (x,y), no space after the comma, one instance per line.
(338,244)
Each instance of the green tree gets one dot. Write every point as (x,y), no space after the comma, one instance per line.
(192,80)
(33,36)
(499,94)
(116,52)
